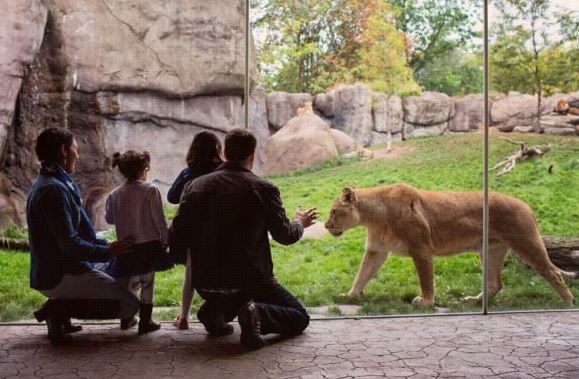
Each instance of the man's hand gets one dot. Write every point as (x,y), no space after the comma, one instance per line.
(307,217)
(121,247)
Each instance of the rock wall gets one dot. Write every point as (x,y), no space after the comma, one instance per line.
(144,75)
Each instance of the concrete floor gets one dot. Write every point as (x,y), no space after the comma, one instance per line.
(543,345)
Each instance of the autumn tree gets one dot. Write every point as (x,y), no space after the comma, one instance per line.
(312,45)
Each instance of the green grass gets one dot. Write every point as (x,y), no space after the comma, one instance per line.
(320,272)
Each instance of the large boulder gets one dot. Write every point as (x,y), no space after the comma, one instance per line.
(388,113)
(469,114)
(515,109)
(282,106)
(21,32)
(353,112)
(305,141)
(428,109)
(324,103)
(344,143)
(427,114)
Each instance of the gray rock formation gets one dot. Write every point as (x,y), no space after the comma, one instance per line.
(258,125)
(387,116)
(344,143)
(353,112)
(143,75)
(324,103)
(303,142)
(469,114)
(21,32)
(515,109)
(430,111)
(282,106)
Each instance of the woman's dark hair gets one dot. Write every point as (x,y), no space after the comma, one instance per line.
(132,164)
(49,142)
(239,144)
(205,150)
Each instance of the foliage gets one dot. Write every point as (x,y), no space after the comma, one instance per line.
(434,28)
(320,271)
(13,231)
(527,55)
(310,46)
(455,73)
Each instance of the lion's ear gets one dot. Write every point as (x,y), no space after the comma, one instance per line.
(348,196)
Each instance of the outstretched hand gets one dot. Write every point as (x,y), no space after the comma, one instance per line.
(121,247)
(307,217)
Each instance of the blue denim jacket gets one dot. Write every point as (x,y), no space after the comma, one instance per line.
(185,176)
(62,239)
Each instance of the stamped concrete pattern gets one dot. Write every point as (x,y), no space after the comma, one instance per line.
(544,345)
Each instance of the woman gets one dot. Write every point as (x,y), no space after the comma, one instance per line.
(203,157)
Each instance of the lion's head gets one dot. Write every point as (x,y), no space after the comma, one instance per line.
(344,214)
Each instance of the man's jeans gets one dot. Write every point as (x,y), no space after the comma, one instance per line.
(280,311)
(95,285)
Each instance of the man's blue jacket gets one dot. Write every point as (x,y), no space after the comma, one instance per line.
(62,239)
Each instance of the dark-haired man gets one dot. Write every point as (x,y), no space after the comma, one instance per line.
(224,218)
(63,243)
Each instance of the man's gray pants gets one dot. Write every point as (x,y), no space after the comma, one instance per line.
(95,285)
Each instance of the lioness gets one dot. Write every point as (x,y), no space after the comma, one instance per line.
(424,224)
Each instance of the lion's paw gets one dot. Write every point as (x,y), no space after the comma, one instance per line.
(419,300)
(474,299)
(353,295)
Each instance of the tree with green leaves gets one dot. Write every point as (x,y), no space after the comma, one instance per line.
(528,56)
(435,28)
(309,46)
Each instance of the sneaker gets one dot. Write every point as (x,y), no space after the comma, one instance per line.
(181,323)
(250,323)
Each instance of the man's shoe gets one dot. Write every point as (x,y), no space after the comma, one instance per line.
(69,328)
(250,322)
(42,313)
(127,323)
(219,331)
(56,332)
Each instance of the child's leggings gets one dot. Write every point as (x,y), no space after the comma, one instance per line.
(146,283)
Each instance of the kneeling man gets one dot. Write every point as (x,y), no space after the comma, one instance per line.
(63,244)
(224,219)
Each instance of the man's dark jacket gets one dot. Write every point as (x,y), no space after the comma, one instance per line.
(62,240)
(224,218)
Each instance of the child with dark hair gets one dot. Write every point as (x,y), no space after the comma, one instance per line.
(203,157)
(136,210)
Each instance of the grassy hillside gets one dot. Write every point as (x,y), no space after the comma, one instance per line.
(319,272)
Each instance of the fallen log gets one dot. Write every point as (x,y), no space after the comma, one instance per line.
(12,244)
(563,251)
(523,152)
